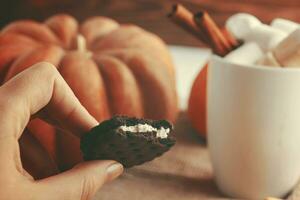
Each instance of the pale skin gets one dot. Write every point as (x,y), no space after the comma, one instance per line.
(40,91)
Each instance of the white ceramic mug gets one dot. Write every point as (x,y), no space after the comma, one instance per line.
(254,128)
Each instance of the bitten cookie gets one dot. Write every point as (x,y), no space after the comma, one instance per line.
(130,141)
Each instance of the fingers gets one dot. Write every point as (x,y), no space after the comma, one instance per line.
(81,182)
(41,87)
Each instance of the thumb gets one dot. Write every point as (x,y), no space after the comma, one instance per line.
(80,182)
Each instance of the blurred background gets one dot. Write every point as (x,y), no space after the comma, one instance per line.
(149,14)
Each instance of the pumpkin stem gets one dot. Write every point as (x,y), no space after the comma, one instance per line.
(81,45)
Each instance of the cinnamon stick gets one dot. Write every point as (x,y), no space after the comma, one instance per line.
(220,44)
(184,18)
(203,27)
(233,42)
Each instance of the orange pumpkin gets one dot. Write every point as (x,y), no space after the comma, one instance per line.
(112,69)
(197,102)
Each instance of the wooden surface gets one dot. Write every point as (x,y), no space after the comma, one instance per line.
(150,14)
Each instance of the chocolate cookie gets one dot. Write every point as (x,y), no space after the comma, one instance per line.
(130,141)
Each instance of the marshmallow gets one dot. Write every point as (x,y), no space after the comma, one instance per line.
(284,25)
(247,27)
(268,60)
(240,24)
(287,52)
(248,53)
(265,36)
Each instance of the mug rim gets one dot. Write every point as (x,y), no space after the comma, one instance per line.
(218,59)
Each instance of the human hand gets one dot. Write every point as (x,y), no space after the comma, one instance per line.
(41,91)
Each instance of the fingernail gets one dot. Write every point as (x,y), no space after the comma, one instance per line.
(113,171)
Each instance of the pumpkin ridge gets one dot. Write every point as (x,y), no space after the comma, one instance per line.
(32,29)
(50,53)
(125,33)
(123,90)
(47,139)
(8,55)
(154,78)
(131,36)
(65,27)
(97,27)
(15,38)
(12,45)
(35,158)
(76,64)
(127,55)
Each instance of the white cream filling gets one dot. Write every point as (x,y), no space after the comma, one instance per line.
(142,128)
